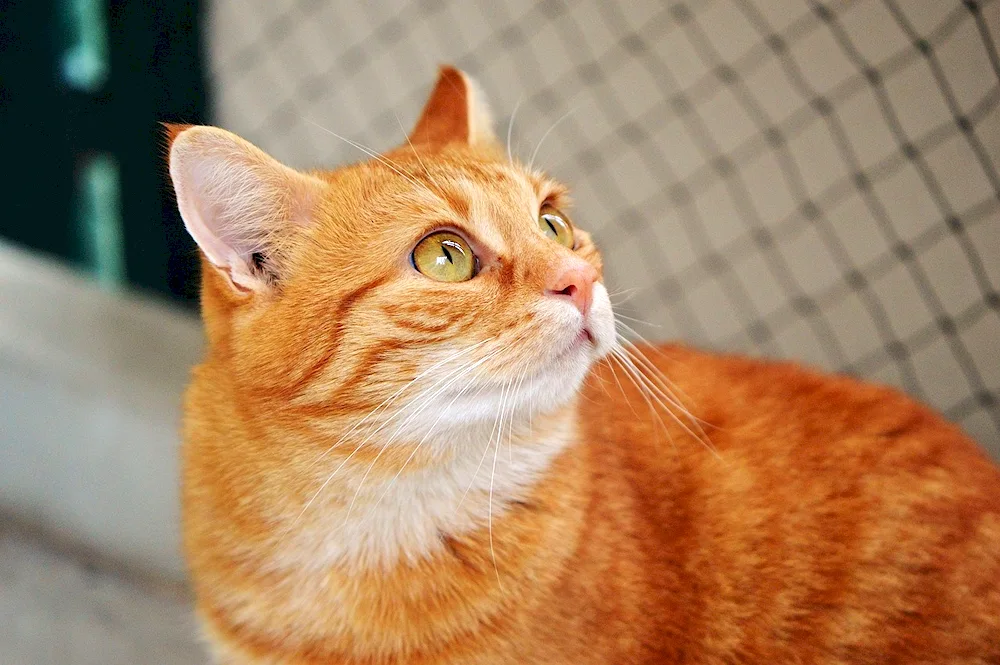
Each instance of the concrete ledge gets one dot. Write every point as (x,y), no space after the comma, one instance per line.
(90,388)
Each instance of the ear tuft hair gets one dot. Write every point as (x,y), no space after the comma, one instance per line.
(171,130)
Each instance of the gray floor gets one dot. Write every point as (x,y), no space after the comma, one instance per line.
(58,610)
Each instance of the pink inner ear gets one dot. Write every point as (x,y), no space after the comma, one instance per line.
(234,199)
(201,211)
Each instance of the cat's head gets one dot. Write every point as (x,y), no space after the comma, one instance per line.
(440,283)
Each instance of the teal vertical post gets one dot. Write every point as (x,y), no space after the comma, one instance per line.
(86,59)
(100,220)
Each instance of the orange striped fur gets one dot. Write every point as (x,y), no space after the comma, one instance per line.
(381,468)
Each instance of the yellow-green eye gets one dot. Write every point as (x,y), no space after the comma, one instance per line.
(555,225)
(445,256)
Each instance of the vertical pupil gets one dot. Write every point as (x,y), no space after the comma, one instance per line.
(548,220)
(447,254)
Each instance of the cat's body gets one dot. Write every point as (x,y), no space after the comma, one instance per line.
(502,514)
(840,523)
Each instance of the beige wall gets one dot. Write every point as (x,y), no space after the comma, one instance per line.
(90,391)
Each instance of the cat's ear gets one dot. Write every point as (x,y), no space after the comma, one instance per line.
(240,205)
(457,112)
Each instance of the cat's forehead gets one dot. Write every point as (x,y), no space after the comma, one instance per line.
(496,200)
(462,181)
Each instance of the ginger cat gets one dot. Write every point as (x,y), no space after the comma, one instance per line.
(403,445)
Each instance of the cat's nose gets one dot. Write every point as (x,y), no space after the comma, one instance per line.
(576,283)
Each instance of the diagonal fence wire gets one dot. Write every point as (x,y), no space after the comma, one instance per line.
(813,180)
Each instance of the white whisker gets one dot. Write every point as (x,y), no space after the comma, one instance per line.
(627,293)
(665,401)
(633,355)
(555,124)
(510,127)
(417,154)
(614,375)
(667,385)
(370,434)
(387,401)
(374,155)
(426,436)
(617,356)
(619,315)
(425,400)
(493,554)
(510,434)
(486,449)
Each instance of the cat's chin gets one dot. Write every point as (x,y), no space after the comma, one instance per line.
(540,386)
(551,386)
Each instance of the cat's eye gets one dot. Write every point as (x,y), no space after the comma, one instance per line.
(555,225)
(446,257)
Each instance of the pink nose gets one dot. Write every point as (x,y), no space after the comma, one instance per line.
(575,283)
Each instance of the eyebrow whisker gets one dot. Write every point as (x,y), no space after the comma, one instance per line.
(374,155)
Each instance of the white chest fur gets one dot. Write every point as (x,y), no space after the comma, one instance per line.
(370,519)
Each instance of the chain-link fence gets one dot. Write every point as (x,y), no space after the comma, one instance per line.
(798,179)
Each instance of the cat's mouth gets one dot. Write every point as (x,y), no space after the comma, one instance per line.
(583,338)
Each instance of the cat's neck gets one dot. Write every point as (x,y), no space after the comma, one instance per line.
(355,559)
(373,503)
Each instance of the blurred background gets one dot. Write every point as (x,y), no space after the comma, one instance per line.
(795,179)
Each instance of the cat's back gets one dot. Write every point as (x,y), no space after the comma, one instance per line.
(812,517)
(734,415)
